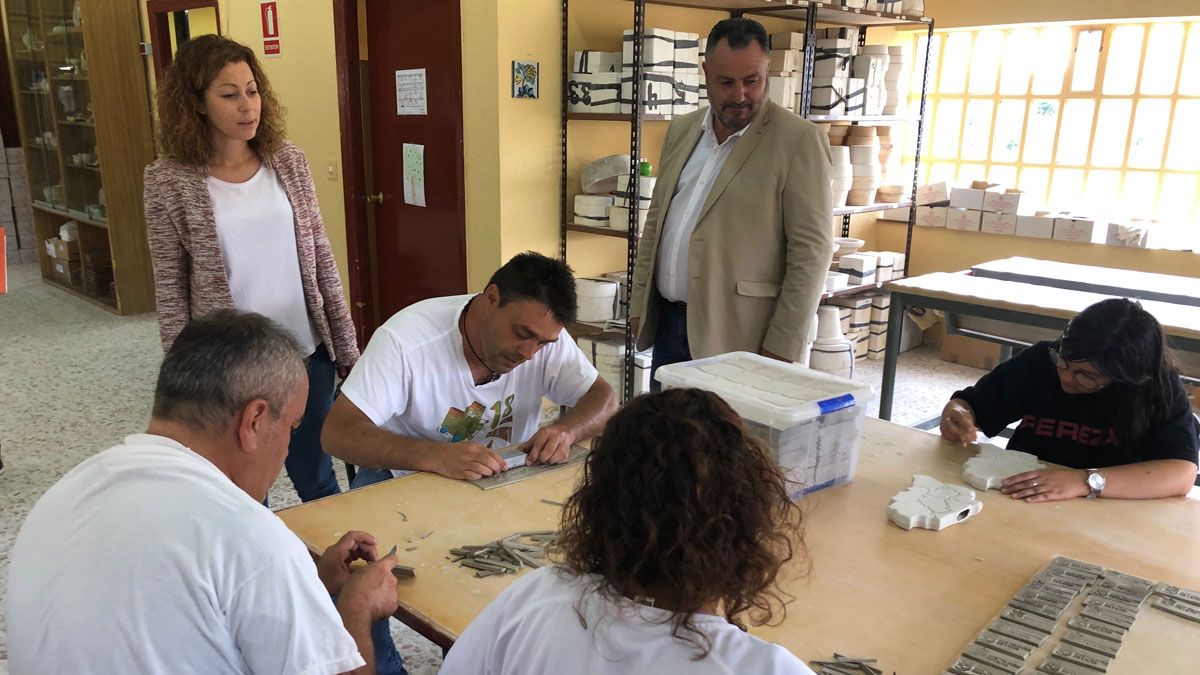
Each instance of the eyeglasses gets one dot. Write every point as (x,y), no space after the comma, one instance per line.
(1086,381)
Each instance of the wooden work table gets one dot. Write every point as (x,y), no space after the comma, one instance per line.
(912,599)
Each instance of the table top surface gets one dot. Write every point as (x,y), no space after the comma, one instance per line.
(913,599)
(1178,320)
(1092,275)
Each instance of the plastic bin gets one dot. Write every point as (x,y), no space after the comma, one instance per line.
(810,421)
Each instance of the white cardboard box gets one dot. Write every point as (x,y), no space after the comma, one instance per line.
(998,223)
(594,92)
(1079,229)
(791,40)
(687,53)
(657,91)
(932,216)
(785,61)
(1008,201)
(1132,239)
(589,61)
(782,89)
(967,220)
(687,93)
(856,96)
(1038,227)
(870,68)
(972,197)
(658,48)
(832,58)
(933,193)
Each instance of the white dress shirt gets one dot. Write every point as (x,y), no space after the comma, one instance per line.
(691,191)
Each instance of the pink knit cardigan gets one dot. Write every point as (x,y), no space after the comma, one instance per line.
(190,278)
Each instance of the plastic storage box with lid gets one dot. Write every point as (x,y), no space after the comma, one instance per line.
(810,421)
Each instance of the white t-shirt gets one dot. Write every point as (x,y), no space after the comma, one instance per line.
(147,559)
(533,628)
(257,232)
(413,380)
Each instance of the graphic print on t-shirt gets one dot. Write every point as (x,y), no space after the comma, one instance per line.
(464,425)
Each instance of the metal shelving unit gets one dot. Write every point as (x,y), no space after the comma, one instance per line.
(810,13)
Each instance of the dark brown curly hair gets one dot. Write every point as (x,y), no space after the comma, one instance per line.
(183,132)
(679,504)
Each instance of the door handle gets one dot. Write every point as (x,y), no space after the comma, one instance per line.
(376,198)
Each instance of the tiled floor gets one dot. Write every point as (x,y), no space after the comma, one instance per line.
(75,379)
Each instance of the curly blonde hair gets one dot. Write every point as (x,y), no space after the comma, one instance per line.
(183,132)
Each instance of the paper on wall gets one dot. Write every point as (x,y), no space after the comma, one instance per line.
(411,98)
(414,174)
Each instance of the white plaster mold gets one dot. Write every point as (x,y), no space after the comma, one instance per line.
(932,505)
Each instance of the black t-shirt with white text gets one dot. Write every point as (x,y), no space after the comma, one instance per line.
(1074,430)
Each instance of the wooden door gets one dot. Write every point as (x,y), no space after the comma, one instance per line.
(421,251)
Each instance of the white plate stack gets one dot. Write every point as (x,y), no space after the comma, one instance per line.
(592,209)
(841,174)
(867,173)
(896,80)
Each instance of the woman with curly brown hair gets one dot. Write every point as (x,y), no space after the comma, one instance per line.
(673,541)
(233,222)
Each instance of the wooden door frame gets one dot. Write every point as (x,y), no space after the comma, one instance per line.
(160,30)
(354,181)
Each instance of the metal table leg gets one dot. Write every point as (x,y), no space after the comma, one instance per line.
(891,354)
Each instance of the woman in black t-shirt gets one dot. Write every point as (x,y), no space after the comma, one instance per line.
(1105,399)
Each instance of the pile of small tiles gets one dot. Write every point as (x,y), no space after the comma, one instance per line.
(1111,602)
(846,665)
(507,555)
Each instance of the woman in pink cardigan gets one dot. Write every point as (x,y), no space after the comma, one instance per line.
(233,221)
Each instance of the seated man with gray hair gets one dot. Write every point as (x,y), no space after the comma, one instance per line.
(158,556)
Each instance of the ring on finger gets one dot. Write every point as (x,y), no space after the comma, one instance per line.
(1035,483)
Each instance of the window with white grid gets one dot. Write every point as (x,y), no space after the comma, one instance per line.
(1093,118)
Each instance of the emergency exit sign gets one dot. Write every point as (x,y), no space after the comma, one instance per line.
(270,28)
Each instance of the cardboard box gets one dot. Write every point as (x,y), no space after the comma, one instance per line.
(966,220)
(1002,202)
(832,58)
(972,197)
(970,352)
(57,248)
(932,216)
(785,61)
(66,271)
(1131,234)
(589,61)
(1038,227)
(856,96)
(781,88)
(687,53)
(829,95)
(657,91)
(933,193)
(1079,229)
(998,223)
(869,68)
(594,92)
(791,40)
(658,48)
(687,93)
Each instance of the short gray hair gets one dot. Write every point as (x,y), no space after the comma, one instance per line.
(222,361)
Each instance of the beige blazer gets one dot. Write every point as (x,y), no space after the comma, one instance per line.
(761,248)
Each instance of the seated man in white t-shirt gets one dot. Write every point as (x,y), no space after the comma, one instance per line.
(446,382)
(158,556)
(674,538)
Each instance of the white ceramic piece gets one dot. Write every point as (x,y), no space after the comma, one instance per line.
(988,469)
(932,505)
(832,355)
(847,245)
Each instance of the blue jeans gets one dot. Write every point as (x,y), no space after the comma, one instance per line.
(387,658)
(670,338)
(364,477)
(310,469)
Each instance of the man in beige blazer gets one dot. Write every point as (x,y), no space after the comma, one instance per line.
(737,239)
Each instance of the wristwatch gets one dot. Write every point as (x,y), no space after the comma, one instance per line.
(1095,482)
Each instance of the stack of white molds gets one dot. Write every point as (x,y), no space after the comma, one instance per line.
(841,174)
(866,169)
